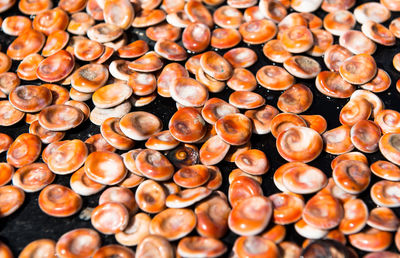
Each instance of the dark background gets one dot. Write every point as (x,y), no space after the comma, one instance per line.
(29,223)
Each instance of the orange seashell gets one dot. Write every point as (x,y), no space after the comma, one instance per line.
(56,67)
(284,121)
(257,31)
(196,36)
(371,240)
(59,201)
(45,247)
(34,7)
(11,199)
(102,213)
(24,150)
(173,224)
(234,129)
(29,42)
(262,118)
(27,68)
(296,99)
(14,25)
(118,12)
(243,220)
(337,140)
(288,208)
(201,246)
(81,241)
(83,185)
(96,167)
(8,172)
(241,57)
(338,22)
(310,141)
(21,98)
(261,247)
(72,6)
(163,31)
(302,67)
(49,21)
(357,43)
(147,18)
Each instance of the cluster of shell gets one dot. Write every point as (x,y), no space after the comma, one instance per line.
(175,184)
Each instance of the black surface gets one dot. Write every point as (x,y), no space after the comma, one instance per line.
(30,223)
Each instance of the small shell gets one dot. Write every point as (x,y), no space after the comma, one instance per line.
(246,246)
(56,41)
(371,12)
(243,220)
(83,185)
(14,25)
(24,150)
(136,231)
(274,78)
(196,37)
(262,118)
(227,17)
(296,99)
(147,18)
(42,247)
(99,164)
(358,69)
(303,179)
(257,31)
(357,43)
(173,224)
(56,67)
(49,21)
(29,42)
(60,117)
(111,95)
(383,193)
(335,55)
(383,218)
(365,136)
(187,125)
(302,67)
(234,129)
(11,199)
(104,32)
(371,240)
(81,241)
(163,31)
(246,100)
(337,140)
(59,201)
(242,80)
(241,57)
(284,121)
(140,125)
(118,12)
(114,211)
(68,157)
(33,177)
(288,144)
(386,170)
(156,246)
(338,22)
(323,211)
(79,23)
(378,33)
(200,246)
(112,133)
(30,98)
